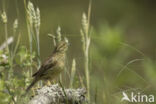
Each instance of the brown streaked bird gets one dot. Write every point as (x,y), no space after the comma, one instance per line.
(52,66)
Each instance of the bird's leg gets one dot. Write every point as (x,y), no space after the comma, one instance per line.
(33,90)
(48,83)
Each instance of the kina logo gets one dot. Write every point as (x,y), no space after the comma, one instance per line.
(137,97)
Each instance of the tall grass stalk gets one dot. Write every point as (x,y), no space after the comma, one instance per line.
(28,22)
(15,27)
(33,27)
(29,10)
(5,21)
(37,28)
(59,35)
(73,70)
(53,37)
(6,35)
(86,43)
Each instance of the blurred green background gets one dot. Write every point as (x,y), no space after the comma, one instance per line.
(123,40)
(135,17)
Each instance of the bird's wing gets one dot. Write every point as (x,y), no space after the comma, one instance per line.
(49,63)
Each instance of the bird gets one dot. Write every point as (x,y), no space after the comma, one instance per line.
(52,66)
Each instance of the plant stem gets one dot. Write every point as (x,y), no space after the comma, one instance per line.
(38,46)
(29,34)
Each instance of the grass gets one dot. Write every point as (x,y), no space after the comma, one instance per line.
(86,44)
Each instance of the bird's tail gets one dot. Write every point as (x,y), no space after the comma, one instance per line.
(31,85)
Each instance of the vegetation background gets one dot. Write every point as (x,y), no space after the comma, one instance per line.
(122,53)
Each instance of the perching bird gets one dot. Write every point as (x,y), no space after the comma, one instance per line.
(53,66)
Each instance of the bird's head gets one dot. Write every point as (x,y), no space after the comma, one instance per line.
(62,46)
